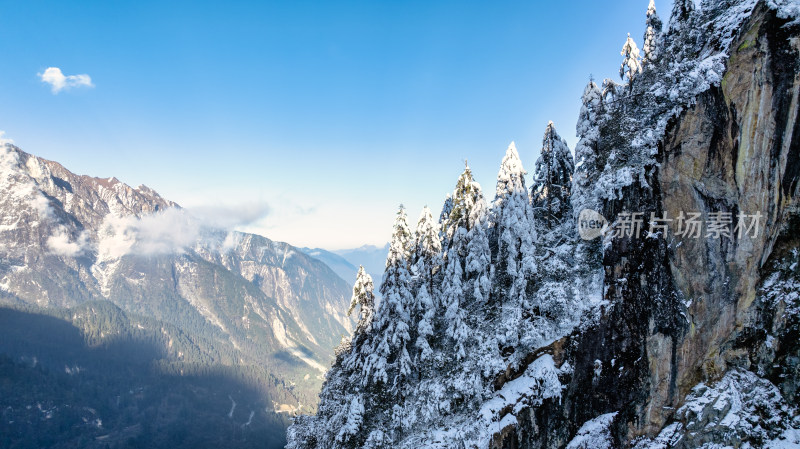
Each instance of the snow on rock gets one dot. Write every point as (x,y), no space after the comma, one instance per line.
(740,409)
(537,383)
(671,85)
(594,434)
(787,9)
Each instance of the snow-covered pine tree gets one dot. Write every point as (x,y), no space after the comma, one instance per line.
(631,63)
(426,270)
(358,398)
(465,297)
(364,298)
(512,242)
(681,11)
(467,191)
(589,165)
(479,255)
(389,362)
(352,349)
(553,301)
(444,218)
(427,248)
(651,34)
(610,90)
(353,417)
(465,274)
(552,185)
(362,402)
(682,27)
(586,157)
(485,356)
(340,417)
(392,315)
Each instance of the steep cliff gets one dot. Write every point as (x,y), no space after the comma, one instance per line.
(686,311)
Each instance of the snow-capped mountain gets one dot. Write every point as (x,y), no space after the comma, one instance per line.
(643,296)
(67,239)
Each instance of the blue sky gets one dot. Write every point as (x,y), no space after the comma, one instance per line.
(328,113)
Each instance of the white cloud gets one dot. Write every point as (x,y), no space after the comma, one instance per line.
(174,230)
(231,241)
(60,244)
(58,81)
(167,232)
(231,216)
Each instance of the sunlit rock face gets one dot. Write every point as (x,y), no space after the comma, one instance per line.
(689,313)
(736,151)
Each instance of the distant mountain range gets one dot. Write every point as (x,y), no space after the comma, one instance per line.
(345,262)
(341,266)
(372,257)
(80,250)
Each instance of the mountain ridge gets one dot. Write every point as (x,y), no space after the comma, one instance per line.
(262,309)
(95,224)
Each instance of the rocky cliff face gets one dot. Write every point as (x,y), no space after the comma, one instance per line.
(67,239)
(686,313)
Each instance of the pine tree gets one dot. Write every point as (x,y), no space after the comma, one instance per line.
(465,196)
(552,184)
(426,270)
(552,204)
(375,369)
(587,165)
(681,11)
(444,219)
(352,416)
(364,297)
(485,356)
(631,64)
(512,242)
(610,90)
(651,34)
(479,255)
(588,254)
(427,248)
(392,316)
(465,296)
